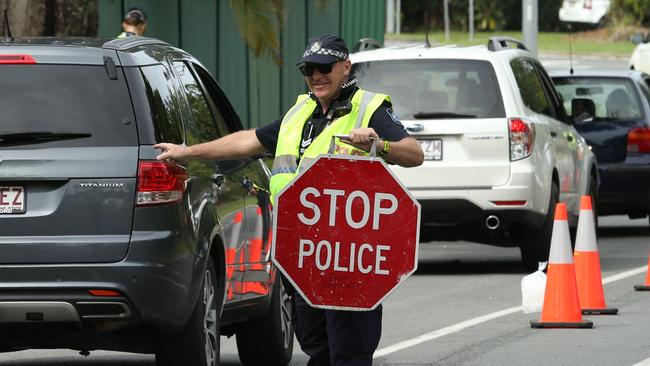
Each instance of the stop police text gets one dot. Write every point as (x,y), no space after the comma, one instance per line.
(332,258)
(376,207)
(365,257)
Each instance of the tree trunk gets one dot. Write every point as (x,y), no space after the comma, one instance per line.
(76,18)
(50,18)
(26,18)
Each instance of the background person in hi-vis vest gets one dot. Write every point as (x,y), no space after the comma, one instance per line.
(334,106)
(134,23)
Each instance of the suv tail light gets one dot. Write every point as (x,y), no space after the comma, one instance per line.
(159,183)
(522,137)
(638,140)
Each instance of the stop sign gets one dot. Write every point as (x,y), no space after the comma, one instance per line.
(345,232)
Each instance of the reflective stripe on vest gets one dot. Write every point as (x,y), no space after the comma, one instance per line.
(286,165)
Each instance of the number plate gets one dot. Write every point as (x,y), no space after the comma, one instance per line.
(432,149)
(12,200)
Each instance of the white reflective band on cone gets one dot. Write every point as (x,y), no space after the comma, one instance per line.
(586,236)
(560,244)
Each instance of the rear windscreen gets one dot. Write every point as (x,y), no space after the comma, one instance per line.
(598,99)
(431,88)
(79,104)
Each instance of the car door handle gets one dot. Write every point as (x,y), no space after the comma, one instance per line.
(553,134)
(416,127)
(218,179)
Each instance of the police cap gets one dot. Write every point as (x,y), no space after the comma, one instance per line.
(324,49)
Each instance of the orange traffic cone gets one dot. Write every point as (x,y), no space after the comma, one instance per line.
(646,285)
(561,304)
(587,263)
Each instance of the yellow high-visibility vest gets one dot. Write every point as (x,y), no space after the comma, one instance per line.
(286,165)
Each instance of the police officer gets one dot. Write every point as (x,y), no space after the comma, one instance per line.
(333,106)
(134,23)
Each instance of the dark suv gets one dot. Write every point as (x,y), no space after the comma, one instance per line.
(102,246)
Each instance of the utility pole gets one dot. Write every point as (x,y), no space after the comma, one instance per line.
(446,9)
(390,16)
(398,17)
(529,28)
(471,20)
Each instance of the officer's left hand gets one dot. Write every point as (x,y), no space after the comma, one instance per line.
(361,138)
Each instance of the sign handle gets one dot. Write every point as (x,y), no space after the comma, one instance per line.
(373,148)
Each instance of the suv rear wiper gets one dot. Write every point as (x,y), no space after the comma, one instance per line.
(425,115)
(38,136)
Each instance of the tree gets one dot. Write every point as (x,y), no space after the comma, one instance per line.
(261,22)
(50,17)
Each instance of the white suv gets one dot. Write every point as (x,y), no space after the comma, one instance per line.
(499,150)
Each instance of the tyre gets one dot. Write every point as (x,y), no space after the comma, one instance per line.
(536,243)
(198,343)
(268,340)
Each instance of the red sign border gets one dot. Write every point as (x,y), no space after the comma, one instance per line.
(275,220)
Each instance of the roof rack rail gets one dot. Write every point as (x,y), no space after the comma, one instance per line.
(501,43)
(366,44)
(121,44)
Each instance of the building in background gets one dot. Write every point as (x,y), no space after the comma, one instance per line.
(259,89)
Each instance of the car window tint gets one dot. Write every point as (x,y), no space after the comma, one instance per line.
(224,115)
(557,109)
(530,87)
(67,99)
(429,87)
(644,89)
(614,98)
(165,108)
(200,125)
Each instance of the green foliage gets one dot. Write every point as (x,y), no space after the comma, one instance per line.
(630,12)
(260,23)
(489,15)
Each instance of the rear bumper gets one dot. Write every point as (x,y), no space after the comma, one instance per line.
(457,211)
(457,219)
(624,188)
(155,291)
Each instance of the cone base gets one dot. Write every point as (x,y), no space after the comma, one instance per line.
(604,311)
(642,287)
(582,324)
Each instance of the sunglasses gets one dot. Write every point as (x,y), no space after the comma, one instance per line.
(308,69)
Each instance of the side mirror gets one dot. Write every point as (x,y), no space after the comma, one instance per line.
(583,110)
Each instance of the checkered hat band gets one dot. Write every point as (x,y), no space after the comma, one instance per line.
(328,52)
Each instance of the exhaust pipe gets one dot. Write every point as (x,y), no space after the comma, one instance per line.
(492,222)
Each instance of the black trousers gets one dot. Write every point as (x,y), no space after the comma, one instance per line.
(334,337)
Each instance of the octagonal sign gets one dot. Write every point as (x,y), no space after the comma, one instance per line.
(346,232)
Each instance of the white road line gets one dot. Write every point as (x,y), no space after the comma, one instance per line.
(484,318)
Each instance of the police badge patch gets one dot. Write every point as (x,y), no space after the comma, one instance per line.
(393,116)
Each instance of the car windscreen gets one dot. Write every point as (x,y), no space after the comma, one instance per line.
(64,106)
(430,89)
(610,98)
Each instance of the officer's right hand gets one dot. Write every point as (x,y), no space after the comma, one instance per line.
(171,152)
